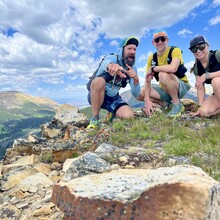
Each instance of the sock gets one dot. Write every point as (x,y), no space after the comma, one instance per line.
(96,117)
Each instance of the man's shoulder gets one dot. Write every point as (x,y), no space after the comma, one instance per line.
(175,51)
(174,48)
(111,57)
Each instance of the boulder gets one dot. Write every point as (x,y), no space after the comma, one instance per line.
(179,192)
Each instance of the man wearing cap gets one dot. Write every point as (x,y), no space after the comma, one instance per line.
(166,65)
(114,72)
(207,71)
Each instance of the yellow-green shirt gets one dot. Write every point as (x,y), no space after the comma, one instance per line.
(162,60)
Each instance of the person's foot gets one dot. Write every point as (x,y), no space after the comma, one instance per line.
(94,124)
(176,110)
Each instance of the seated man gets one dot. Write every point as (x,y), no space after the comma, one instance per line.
(166,65)
(115,71)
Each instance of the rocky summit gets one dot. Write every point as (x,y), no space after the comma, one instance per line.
(66,173)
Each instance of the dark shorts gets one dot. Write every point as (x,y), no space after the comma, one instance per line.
(111,104)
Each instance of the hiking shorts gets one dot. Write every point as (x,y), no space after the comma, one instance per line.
(111,104)
(164,96)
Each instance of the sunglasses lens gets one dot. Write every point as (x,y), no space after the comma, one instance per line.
(201,47)
(194,49)
(162,39)
(156,40)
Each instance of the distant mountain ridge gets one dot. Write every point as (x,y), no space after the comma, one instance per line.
(21,114)
(14,99)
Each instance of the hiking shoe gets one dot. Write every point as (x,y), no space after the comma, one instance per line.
(109,117)
(94,124)
(176,110)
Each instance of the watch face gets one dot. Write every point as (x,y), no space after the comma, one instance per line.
(207,75)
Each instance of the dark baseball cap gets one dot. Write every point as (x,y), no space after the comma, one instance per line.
(197,40)
(130,40)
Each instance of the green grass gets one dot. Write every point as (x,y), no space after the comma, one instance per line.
(196,139)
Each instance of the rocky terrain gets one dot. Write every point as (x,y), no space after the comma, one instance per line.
(70,172)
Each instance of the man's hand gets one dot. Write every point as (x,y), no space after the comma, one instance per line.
(149,108)
(115,69)
(132,74)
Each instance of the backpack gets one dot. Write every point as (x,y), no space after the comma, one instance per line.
(180,71)
(107,77)
(213,66)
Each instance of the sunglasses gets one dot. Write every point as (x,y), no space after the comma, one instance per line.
(162,39)
(200,47)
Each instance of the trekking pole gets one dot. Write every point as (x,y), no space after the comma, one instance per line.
(113,82)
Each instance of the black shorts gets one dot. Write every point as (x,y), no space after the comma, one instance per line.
(111,104)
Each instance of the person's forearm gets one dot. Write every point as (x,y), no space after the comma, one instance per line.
(135,88)
(201,96)
(147,89)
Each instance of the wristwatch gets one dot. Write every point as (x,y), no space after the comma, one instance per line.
(207,75)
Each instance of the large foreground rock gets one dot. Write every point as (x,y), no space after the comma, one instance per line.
(181,192)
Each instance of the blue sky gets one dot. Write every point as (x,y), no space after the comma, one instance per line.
(50,47)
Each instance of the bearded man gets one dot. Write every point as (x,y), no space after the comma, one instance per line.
(115,72)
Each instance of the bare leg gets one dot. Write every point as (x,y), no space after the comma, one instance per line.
(210,107)
(154,96)
(97,95)
(125,112)
(170,84)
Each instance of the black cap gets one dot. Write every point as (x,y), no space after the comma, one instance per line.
(197,40)
(130,40)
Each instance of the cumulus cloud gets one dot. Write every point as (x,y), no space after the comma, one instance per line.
(46,43)
(214,21)
(184,33)
(216,2)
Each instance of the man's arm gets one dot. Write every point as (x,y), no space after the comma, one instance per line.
(177,59)
(168,68)
(110,65)
(134,81)
(147,90)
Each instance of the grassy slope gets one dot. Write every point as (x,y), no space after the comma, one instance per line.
(194,138)
(25,115)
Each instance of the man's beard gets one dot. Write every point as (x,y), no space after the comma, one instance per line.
(130,60)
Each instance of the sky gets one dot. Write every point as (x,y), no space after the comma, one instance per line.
(50,48)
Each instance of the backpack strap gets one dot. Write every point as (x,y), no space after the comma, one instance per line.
(213,65)
(212,61)
(154,61)
(169,57)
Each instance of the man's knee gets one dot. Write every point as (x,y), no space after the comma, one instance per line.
(98,83)
(125,112)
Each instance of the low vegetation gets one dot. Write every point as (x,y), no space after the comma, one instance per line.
(194,138)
